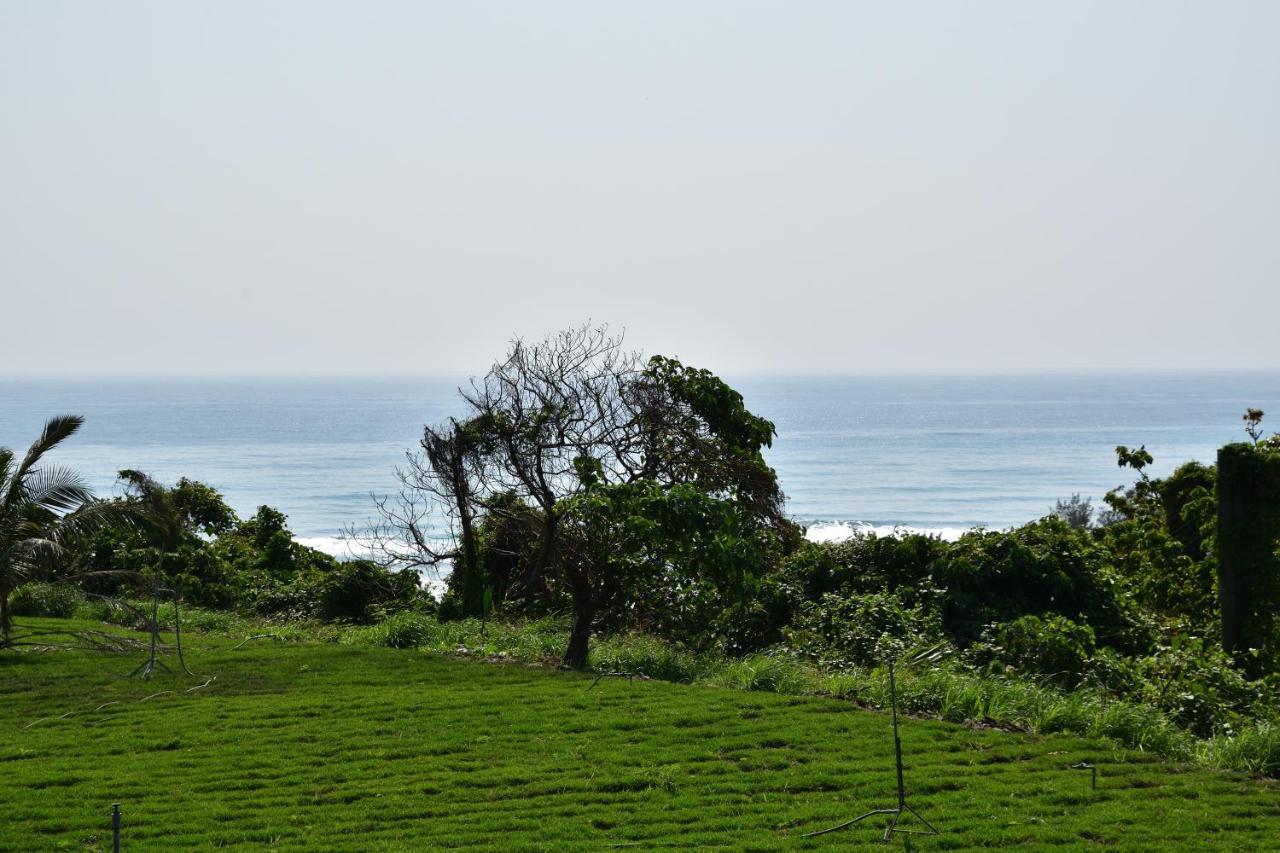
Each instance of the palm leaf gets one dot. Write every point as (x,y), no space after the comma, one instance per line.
(57,489)
(6,464)
(56,430)
(91,517)
(26,554)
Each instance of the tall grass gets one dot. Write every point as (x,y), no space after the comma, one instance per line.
(1255,750)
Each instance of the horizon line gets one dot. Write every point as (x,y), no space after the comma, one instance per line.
(38,375)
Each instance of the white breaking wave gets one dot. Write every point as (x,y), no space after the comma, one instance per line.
(334,546)
(434,581)
(838,531)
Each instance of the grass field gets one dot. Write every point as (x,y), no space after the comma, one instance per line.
(330,747)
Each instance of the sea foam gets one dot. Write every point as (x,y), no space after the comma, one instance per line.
(818,531)
(838,531)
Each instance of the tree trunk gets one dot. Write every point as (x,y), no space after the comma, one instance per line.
(546,548)
(6,619)
(473,580)
(580,632)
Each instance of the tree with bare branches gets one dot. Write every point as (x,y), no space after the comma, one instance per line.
(572,422)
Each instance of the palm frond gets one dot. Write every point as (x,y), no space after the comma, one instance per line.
(91,517)
(56,430)
(6,465)
(58,489)
(27,554)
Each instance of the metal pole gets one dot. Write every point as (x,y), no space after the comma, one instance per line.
(902,788)
(1093,772)
(115,827)
(897,742)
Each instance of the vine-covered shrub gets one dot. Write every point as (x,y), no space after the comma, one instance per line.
(1053,646)
(1043,568)
(847,629)
(1195,683)
(1248,560)
(903,565)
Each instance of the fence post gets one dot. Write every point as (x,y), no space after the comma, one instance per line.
(115,827)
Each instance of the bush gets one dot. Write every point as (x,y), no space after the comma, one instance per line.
(1042,568)
(847,629)
(755,622)
(1052,646)
(354,591)
(645,655)
(901,564)
(401,631)
(361,590)
(1193,681)
(58,601)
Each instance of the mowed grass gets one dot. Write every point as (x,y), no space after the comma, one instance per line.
(330,747)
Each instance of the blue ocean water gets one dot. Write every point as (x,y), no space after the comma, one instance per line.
(936,452)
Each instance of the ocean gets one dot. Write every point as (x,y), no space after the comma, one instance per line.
(936,453)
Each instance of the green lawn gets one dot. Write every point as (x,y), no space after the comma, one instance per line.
(330,747)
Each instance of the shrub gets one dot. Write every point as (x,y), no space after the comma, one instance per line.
(645,655)
(1194,683)
(755,622)
(1042,568)
(59,601)
(355,591)
(901,564)
(401,631)
(1052,646)
(847,629)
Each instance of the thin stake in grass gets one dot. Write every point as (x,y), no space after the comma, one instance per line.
(1092,768)
(903,805)
(115,827)
(152,663)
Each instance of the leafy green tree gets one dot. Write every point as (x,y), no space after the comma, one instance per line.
(696,429)
(171,529)
(1160,538)
(622,541)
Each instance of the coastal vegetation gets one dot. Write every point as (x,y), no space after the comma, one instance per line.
(597,510)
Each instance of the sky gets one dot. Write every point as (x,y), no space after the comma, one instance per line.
(791,187)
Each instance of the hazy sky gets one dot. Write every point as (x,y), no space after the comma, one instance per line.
(400,187)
